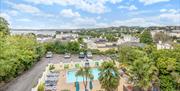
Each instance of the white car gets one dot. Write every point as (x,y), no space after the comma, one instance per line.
(67,55)
(49,55)
(89,54)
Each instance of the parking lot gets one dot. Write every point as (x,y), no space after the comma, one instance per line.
(30,78)
(75,58)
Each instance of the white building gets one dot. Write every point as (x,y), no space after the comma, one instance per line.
(127,38)
(175,33)
(44,39)
(66,35)
(161,45)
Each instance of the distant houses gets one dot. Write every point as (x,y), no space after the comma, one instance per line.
(161,45)
(104,45)
(172,33)
(127,38)
(175,33)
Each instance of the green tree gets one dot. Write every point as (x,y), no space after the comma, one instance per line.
(86,73)
(142,73)
(63,47)
(4,26)
(110,37)
(128,54)
(109,76)
(18,53)
(146,37)
(80,40)
(166,67)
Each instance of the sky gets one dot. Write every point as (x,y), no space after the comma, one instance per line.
(73,14)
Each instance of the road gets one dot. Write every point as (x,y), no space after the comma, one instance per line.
(30,78)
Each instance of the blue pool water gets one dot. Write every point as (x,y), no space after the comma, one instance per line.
(70,77)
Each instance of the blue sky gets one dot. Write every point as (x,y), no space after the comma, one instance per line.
(63,14)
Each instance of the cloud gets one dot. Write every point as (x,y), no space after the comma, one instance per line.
(114,1)
(163,10)
(171,17)
(13,12)
(86,22)
(24,20)
(92,6)
(148,2)
(24,8)
(69,13)
(134,22)
(169,11)
(130,7)
(98,17)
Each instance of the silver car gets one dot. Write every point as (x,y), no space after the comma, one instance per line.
(49,54)
(89,54)
(67,55)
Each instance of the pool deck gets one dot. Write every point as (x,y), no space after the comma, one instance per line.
(62,84)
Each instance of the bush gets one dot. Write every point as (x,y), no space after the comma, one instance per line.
(51,67)
(18,53)
(41,87)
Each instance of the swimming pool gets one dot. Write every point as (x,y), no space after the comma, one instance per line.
(70,76)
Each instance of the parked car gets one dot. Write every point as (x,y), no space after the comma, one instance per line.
(89,54)
(81,55)
(67,55)
(49,54)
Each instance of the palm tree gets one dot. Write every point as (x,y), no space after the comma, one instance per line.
(109,76)
(143,74)
(86,73)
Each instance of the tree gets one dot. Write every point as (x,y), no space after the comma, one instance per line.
(18,53)
(161,36)
(110,37)
(80,40)
(109,76)
(63,47)
(167,66)
(142,73)
(146,37)
(86,73)
(128,54)
(4,26)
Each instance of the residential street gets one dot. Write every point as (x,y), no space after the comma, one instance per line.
(30,78)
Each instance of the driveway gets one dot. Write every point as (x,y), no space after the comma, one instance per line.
(30,78)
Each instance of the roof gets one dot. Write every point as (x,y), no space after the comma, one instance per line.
(133,44)
(176,31)
(100,40)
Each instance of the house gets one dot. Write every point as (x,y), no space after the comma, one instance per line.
(100,44)
(66,36)
(44,39)
(127,38)
(161,45)
(175,33)
(135,44)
